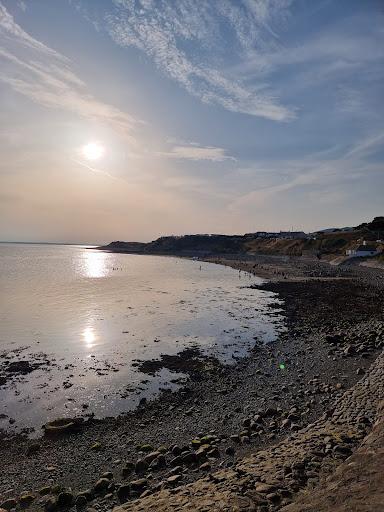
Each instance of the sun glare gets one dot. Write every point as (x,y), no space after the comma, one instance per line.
(93,151)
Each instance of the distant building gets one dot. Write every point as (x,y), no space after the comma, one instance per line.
(363,250)
(280,234)
(292,234)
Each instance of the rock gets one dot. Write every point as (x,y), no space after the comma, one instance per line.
(349,350)
(177,461)
(214,453)
(207,439)
(62,426)
(141,466)
(88,494)
(177,469)
(172,480)
(101,485)
(342,449)
(205,467)
(137,486)
(264,488)
(26,499)
(96,446)
(150,457)
(189,457)
(123,493)
(274,497)
(107,474)
(146,448)
(81,501)
(127,470)
(9,504)
(159,462)
(196,443)
(230,450)
(51,504)
(56,489)
(43,491)
(65,499)
(176,450)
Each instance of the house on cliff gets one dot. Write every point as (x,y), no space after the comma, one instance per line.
(363,250)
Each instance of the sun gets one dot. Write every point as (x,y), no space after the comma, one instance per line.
(93,151)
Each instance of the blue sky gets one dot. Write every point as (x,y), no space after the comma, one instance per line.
(213,116)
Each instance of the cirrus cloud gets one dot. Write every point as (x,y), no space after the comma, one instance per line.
(45,76)
(185,39)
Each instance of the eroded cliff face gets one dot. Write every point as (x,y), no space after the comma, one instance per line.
(343,449)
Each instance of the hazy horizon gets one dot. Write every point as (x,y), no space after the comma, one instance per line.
(101,242)
(133,119)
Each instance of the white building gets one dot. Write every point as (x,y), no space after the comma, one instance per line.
(363,250)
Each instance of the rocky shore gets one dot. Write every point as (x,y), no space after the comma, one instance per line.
(246,436)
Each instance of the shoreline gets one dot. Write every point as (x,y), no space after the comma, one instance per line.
(239,392)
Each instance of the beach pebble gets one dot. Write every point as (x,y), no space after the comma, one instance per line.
(65,499)
(9,504)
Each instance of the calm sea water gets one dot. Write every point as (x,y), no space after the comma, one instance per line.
(86,316)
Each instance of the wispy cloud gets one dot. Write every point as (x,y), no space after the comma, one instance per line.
(188,40)
(22,5)
(194,151)
(347,56)
(46,77)
(326,179)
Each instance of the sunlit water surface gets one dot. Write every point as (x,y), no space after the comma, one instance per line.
(91,314)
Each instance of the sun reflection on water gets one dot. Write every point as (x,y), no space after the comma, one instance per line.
(95,264)
(89,336)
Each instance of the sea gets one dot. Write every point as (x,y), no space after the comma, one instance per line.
(84,319)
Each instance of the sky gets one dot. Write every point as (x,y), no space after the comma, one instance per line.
(132,119)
